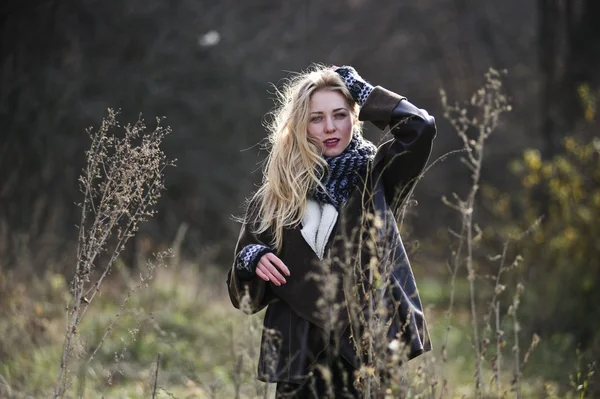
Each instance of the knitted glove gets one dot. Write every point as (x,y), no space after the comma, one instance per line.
(247,260)
(358,87)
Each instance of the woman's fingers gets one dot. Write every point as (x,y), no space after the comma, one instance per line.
(261,274)
(274,272)
(267,267)
(270,267)
(264,269)
(277,262)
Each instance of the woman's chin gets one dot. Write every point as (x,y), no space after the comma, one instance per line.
(332,152)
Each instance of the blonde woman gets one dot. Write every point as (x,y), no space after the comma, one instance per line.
(324,212)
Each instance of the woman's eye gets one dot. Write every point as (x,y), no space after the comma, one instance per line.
(316,118)
(340,116)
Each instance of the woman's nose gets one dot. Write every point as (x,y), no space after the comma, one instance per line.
(329,125)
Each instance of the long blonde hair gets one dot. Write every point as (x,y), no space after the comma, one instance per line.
(295,163)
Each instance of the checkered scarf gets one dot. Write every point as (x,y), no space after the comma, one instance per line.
(344,171)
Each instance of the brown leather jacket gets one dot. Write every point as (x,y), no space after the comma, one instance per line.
(295,321)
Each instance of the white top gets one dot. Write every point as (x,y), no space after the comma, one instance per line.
(317,223)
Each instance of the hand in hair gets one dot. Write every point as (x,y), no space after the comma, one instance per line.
(270,268)
(358,87)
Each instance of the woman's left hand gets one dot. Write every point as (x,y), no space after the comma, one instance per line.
(359,88)
(270,268)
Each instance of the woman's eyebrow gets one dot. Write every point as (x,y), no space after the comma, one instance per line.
(335,110)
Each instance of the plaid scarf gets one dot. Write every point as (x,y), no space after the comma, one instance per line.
(344,171)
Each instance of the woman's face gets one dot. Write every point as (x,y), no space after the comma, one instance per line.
(330,121)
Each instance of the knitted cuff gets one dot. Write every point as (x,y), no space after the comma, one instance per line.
(247,259)
(359,88)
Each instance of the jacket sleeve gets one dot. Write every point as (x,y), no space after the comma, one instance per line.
(254,290)
(400,160)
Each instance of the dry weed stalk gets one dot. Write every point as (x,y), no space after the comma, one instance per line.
(494,308)
(156,376)
(121,184)
(492,103)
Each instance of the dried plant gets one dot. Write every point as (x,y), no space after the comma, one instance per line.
(491,102)
(121,183)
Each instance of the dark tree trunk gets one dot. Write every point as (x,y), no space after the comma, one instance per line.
(569,61)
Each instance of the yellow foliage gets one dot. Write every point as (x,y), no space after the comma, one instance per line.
(588,100)
(564,248)
(533,159)
(570,234)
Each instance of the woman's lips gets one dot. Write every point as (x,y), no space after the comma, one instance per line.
(331,142)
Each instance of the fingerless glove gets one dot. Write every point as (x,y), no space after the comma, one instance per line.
(247,260)
(358,87)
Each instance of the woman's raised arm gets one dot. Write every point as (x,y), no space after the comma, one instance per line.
(401,159)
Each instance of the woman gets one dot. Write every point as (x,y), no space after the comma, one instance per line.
(319,244)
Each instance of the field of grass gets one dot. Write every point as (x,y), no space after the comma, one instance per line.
(183,322)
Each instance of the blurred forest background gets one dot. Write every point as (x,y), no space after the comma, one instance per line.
(209,66)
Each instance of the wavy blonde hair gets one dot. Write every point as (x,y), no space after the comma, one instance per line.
(295,163)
